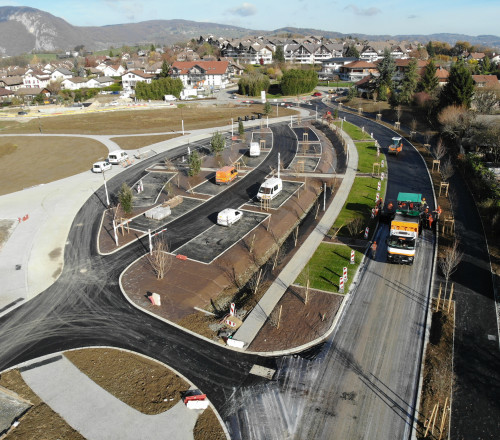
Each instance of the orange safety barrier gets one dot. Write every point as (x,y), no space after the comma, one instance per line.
(181,257)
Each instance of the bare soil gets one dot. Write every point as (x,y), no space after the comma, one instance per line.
(6,228)
(29,161)
(438,373)
(294,322)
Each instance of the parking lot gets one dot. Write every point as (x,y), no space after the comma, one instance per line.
(151,184)
(216,240)
(289,189)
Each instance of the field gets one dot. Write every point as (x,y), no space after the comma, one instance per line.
(29,161)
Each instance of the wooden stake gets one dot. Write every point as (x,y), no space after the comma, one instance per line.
(252,243)
(296,235)
(258,282)
(435,417)
(429,422)
(443,419)
(451,295)
(279,317)
(439,297)
(307,291)
(269,224)
(317,209)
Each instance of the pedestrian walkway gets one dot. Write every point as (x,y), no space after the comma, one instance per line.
(98,415)
(258,316)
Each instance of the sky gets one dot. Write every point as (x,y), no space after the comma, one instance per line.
(387,17)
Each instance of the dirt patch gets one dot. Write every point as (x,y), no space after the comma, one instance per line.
(55,253)
(438,373)
(136,142)
(143,384)
(208,427)
(38,160)
(40,421)
(300,322)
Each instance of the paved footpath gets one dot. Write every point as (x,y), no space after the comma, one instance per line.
(254,322)
(79,400)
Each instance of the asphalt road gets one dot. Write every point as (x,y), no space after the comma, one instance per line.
(368,367)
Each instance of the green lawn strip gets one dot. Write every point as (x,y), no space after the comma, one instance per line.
(359,205)
(326,267)
(367,156)
(354,132)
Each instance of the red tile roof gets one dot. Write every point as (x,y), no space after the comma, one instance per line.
(360,65)
(485,79)
(211,67)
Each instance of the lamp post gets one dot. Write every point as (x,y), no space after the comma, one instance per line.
(232,133)
(106,189)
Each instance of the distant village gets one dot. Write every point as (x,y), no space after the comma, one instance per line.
(210,63)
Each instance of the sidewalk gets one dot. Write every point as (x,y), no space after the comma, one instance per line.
(253,323)
(95,413)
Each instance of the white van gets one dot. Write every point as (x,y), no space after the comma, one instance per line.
(270,188)
(228,216)
(115,157)
(254,149)
(100,167)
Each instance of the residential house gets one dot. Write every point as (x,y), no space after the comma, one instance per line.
(12,82)
(104,81)
(331,66)
(75,83)
(442,75)
(111,69)
(27,94)
(205,74)
(131,78)
(61,74)
(36,78)
(402,67)
(485,80)
(477,56)
(357,70)
(6,94)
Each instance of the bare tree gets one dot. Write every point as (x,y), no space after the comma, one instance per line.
(457,123)
(450,261)
(355,226)
(160,259)
(427,136)
(447,169)
(399,112)
(440,150)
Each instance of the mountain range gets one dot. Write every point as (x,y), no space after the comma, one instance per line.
(26,30)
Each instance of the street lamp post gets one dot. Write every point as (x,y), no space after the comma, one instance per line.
(232,133)
(106,189)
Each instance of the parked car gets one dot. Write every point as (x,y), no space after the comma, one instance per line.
(316,94)
(22,112)
(100,167)
(228,216)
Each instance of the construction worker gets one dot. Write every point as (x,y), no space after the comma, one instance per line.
(374,249)
(431,219)
(438,212)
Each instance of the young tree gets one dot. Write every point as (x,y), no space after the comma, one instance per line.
(160,259)
(194,163)
(126,198)
(409,83)
(429,80)
(459,89)
(217,143)
(267,108)
(241,130)
(450,261)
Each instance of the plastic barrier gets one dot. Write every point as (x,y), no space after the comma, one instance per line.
(181,257)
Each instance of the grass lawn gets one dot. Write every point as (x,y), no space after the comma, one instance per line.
(359,204)
(335,83)
(326,267)
(355,132)
(367,152)
(138,121)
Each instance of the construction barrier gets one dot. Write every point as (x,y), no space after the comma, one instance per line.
(232,310)
(377,197)
(367,230)
(345,274)
(382,163)
(195,397)
(230,323)
(352,256)
(379,185)
(341,285)
(181,257)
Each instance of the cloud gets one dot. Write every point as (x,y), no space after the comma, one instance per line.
(245,10)
(360,11)
(130,9)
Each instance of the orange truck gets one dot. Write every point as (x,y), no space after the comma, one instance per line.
(225,175)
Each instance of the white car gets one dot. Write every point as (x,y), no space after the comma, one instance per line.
(100,167)
(228,216)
